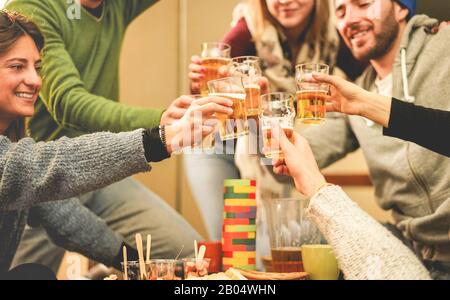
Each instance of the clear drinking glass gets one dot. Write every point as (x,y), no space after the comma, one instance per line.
(277,109)
(162,269)
(194,268)
(311,96)
(134,272)
(289,228)
(232,88)
(248,68)
(214,56)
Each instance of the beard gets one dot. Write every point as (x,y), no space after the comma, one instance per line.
(385,39)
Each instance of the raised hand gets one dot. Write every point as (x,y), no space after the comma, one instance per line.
(298,162)
(198,122)
(345,97)
(176,110)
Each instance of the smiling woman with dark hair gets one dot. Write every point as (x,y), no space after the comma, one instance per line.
(31,173)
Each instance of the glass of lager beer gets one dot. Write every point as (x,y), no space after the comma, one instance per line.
(232,88)
(248,68)
(214,56)
(311,96)
(277,109)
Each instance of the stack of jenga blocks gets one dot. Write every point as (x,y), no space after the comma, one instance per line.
(239,224)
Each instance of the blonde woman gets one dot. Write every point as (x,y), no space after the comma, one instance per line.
(282,34)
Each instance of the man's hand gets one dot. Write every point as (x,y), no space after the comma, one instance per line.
(198,122)
(176,110)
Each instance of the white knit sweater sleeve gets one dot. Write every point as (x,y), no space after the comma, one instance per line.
(363,247)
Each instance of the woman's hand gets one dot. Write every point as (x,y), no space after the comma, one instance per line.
(345,97)
(298,162)
(198,122)
(196,74)
(348,98)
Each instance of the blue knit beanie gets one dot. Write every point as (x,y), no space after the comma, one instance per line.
(410,5)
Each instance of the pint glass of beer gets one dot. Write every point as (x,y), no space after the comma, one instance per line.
(277,109)
(311,96)
(232,88)
(214,56)
(248,68)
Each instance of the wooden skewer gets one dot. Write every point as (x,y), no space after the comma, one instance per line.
(141,255)
(196,249)
(201,255)
(149,246)
(125,263)
(201,252)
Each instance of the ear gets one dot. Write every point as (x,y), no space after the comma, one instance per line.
(401,13)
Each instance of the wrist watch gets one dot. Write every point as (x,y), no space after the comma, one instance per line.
(162,135)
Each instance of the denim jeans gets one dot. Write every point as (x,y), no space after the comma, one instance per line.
(128,208)
(206,173)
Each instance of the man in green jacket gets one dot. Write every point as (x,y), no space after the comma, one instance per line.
(410,63)
(79,96)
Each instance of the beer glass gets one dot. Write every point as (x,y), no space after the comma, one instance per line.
(232,88)
(214,56)
(311,96)
(289,229)
(277,109)
(248,68)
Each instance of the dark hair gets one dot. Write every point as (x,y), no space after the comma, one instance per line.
(14,25)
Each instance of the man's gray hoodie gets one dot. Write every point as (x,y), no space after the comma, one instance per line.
(412,181)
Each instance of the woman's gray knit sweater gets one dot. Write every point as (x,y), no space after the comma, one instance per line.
(31,173)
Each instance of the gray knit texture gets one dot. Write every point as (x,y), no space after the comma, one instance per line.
(364,249)
(32,173)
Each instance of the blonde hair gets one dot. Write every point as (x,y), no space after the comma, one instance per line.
(317,33)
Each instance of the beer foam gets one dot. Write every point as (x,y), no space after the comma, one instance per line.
(281,126)
(252,86)
(229,95)
(225,60)
(312,91)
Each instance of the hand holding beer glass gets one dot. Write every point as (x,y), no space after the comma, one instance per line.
(198,122)
(311,96)
(214,56)
(277,112)
(232,88)
(247,68)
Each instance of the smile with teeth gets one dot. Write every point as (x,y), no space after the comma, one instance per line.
(358,34)
(28,96)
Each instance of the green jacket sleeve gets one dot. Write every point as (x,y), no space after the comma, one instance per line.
(135,7)
(64,93)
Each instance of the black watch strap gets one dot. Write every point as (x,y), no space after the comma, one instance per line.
(154,146)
